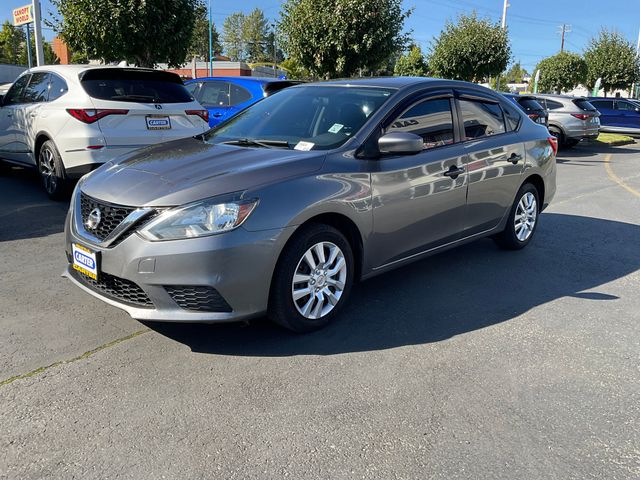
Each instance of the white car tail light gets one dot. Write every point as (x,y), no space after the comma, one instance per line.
(92,115)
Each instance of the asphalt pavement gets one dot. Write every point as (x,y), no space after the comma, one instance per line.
(476,363)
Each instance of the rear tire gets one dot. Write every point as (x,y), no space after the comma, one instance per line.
(312,280)
(522,221)
(52,173)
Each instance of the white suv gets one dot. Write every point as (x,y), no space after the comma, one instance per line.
(67,120)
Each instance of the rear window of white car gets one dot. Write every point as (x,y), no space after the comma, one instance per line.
(131,85)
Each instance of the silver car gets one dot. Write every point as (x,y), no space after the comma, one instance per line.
(280,209)
(571,119)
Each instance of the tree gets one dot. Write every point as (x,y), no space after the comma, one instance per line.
(199,46)
(515,74)
(412,64)
(12,42)
(232,36)
(294,70)
(144,33)
(613,58)
(561,72)
(339,38)
(472,49)
(50,58)
(255,36)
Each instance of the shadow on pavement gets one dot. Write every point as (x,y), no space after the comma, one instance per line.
(27,211)
(584,150)
(466,289)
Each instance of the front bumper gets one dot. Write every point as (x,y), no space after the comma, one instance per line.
(237,264)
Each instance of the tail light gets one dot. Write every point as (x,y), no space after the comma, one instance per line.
(534,116)
(553,141)
(581,116)
(92,115)
(203,114)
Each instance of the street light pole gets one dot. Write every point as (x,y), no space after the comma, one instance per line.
(210,42)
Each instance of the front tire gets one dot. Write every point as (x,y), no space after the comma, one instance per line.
(52,173)
(522,221)
(312,280)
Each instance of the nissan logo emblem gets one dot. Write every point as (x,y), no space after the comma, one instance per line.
(93,220)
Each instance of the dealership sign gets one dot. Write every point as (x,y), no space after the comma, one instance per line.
(22,15)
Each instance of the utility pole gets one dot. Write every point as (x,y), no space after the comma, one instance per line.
(564,30)
(504,14)
(504,27)
(210,42)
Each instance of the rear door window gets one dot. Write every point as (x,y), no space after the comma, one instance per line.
(606,104)
(512,116)
(431,119)
(37,91)
(140,86)
(238,94)
(214,93)
(530,104)
(552,105)
(481,119)
(14,95)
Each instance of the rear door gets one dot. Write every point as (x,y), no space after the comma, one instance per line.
(35,95)
(144,107)
(494,157)
(608,113)
(10,116)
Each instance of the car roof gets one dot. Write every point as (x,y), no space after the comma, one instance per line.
(561,97)
(75,70)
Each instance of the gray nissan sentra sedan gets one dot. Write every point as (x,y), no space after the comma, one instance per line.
(280,209)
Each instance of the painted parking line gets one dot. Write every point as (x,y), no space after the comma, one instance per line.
(617,179)
(88,354)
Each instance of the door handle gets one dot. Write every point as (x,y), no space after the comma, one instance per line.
(454,171)
(217,115)
(515,158)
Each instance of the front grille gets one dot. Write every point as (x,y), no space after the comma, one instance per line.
(116,288)
(198,298)
(111,215)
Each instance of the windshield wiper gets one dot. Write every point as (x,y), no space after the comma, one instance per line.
(139,98)
(250,142)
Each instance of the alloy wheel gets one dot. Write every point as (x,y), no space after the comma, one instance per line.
(526,216)
(48,170)
(319,280)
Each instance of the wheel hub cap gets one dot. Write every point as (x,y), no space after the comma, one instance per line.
(526,216)
(319,280)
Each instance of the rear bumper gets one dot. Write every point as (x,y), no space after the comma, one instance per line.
(580,133)
(79,161)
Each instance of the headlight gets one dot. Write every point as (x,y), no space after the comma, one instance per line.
(199,219)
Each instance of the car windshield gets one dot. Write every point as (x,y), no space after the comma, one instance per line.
(304,118)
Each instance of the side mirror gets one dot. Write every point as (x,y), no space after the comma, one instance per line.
(402,143)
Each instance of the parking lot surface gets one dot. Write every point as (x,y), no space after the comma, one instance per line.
(476,363)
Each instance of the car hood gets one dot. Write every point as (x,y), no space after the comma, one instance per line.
(187,170)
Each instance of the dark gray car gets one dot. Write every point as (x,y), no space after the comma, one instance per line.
(281,208)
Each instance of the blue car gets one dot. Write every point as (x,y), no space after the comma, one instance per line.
(618,115)
(223,97)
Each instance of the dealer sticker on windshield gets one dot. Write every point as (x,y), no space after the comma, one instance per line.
(85,261)
(304,146)
(336,128)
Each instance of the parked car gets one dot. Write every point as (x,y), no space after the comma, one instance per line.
(66,120)
(281,208)
(226,96)
(618,115)
(571,119)
(529,105)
